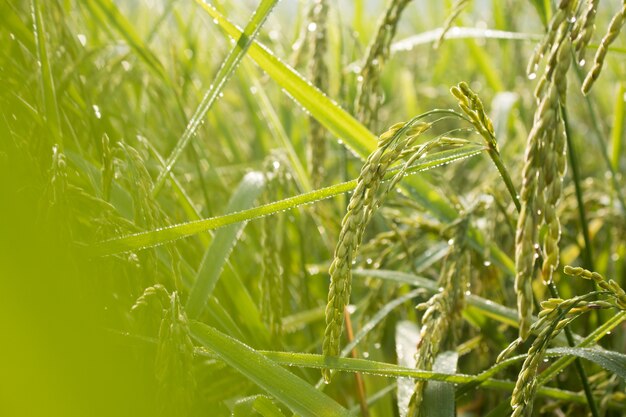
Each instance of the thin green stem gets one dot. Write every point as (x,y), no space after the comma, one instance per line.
(574,163)
(504,173)
(599,136)
(578,363)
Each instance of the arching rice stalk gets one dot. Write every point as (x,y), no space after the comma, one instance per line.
(613,31)
(442,315)
(544,165)
(584,28)
(272,279)
(555,315)
(368,97)
(610,286)
(362,204)
(175,352)
(318,71)
(457,8)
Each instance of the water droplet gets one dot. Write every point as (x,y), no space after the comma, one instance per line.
(96,111)
(440,289)
(82,39)
(582,62)
(366,355)
(359,78)
(487,263)
(468,293)
(369,261)
(451,242)
(532,75)
(215,21)
(377,345)
(608,333)
(312,27)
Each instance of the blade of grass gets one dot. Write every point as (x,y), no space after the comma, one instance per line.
(157,237)
(617,131)
(611,361)
(356,136)
(295,393)
(432,36)
(49,99)
(310,360)
(223,242)
(244,40)
(16,26)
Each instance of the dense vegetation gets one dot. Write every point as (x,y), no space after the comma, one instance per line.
(212,208)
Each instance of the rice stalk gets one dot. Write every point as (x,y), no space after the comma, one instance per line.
(555,315)
(363,202)
(473,107)
(368,98)
(318,71)
(442,312)
(615,26)
(610,286)
(272,278)
(584,28)
(457,9)
(544,164)
(174,368)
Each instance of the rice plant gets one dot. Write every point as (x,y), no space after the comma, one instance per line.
(312,208)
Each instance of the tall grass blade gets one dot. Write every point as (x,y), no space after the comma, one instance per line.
(356,136)
(223,242)
(244,40)
(160,236)
(617,131)
(48,92)
(287,388)
(614,362)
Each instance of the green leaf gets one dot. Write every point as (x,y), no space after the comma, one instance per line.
(309,360)
(439,396)
(407,337)
(609,360)
(223,242)
(461,33)
(158,237)
(487,307)
(244,40)
(617,131)
(356,136)
(257,404)
(295,393)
